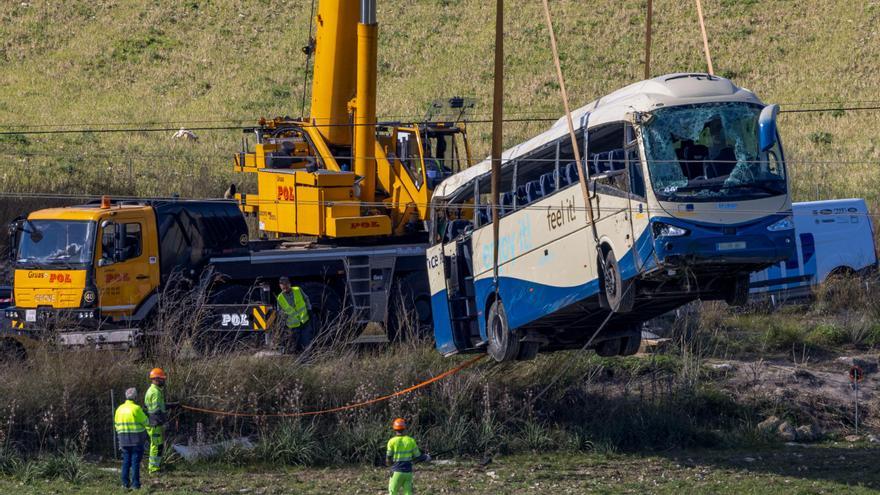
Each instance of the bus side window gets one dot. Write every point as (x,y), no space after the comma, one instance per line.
(636,177)
(608,156)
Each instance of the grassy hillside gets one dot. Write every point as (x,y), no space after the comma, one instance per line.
(223,62)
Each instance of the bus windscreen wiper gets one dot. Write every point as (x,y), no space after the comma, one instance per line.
(753,185)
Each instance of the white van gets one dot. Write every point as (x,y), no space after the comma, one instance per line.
(833,237)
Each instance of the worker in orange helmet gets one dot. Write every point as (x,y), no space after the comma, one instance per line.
(157,412)
(401,453)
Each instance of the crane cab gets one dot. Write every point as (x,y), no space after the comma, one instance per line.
(307,187)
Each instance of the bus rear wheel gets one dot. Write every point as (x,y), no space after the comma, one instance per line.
(503,344)
(617,295)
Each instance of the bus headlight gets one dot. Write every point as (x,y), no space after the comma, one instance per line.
(786,223)
(665,230)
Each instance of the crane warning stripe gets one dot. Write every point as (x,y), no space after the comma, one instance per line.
(348,407)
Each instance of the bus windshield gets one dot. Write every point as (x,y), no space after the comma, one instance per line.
(709,152)
(56,243)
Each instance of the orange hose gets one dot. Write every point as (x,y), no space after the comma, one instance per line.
(357,405)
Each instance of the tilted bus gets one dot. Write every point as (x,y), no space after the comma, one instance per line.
(689,192)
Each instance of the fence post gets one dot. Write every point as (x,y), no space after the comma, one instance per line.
(112,423)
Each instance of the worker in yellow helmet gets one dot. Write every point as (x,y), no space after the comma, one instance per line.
(401,453)
(294,304)
(158,414)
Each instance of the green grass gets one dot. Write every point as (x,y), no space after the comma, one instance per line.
(78,63)
(825,469)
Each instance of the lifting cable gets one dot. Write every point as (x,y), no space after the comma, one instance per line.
(497,134)
(574,145)
(705,37)
(357,405)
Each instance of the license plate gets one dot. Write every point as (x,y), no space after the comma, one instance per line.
(730,246)
(30,315)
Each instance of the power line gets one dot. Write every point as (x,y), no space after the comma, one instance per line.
(562,162)
(351,124)
(381,204)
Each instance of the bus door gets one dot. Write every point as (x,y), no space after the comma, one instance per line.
(638,202)
(450,275)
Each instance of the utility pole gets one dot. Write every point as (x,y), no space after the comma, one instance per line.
(648,22)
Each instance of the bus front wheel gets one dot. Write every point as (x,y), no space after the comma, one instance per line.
(617,295)
(503,344)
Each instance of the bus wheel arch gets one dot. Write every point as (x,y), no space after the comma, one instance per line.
(503,344)
(841,271)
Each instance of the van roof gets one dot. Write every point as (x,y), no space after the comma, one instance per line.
(858,203)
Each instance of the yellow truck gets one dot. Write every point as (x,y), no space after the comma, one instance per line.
(95,275)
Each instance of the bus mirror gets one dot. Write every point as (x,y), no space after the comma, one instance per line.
(767,127)
(640,118)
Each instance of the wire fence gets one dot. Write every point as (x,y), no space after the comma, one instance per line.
(166,176)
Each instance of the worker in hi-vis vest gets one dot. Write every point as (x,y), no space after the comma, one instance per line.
(402,452)
(295,308)
(131,425)
(158,416)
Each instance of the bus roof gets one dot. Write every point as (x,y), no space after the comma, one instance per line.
(643,96)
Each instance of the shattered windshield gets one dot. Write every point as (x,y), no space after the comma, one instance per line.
(56,243)
(709,152)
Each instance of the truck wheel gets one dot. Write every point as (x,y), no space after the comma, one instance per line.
(326,304)
(616,294)
(503,344)
(738,291)
(409,308)
(11,351)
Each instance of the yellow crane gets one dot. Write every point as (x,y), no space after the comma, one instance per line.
(338,173)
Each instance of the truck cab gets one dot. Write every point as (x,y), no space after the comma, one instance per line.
(94,272)
(83,264)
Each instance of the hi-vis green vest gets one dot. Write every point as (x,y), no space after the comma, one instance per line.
(130,423)
(297,312)
(154,400)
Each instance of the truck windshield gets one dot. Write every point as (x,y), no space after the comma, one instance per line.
(709,152)
(56,243)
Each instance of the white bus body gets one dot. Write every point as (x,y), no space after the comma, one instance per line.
(833,237)
(688,186)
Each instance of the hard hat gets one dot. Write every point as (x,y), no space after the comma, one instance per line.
(157,373)
(399,424)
